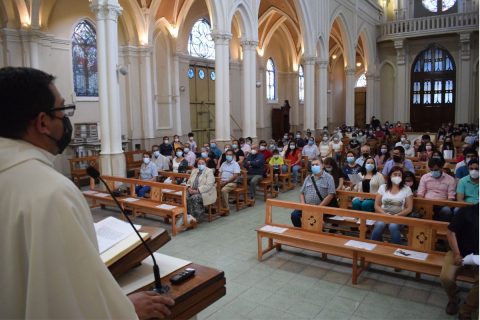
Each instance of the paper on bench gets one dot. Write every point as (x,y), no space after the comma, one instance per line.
(360,245)
(368,222)
(141,276)
(167,190)
(274,229)
(130,199)
(101,194)
(339,218)
(166,206)
(471,259)
(111,231)
(89,192)
(411,254)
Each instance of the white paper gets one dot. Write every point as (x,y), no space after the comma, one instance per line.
(178,193)
(471,259)
(354,178)
(448,154)
(339,218)
(167,190)
(111,231)
(168,180)
(360,245)
(89,192)
(100,194)
(369,222)
(141,276)
(274,229)
(166,206)
(130,199)
(411,254)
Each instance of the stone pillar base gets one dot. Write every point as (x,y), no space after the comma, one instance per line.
(113,165)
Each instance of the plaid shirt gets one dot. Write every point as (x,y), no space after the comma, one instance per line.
(325,185)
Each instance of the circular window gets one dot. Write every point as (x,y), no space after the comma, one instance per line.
(213,76)
(201,74)
(190,73)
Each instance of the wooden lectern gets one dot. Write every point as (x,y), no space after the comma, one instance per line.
(193,295)
(280,121)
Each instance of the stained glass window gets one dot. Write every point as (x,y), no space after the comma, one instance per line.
(213,76)
(416,92)
(438,5)
(361,82)
(270,73)
(200,41)
(84,60)
(190,73)
(201,74)
(301,84)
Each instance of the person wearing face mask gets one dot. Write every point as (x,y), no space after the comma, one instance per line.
(310,149)
(148,172)
(295,156)
(398,160)
(208,156)
(160,161)
(448,149)
(193,143)
(354,144)
(176,142)
(409,150)
(325,196)
(350,167)
(189,154)
(330,166)
(461,169)
(471,138)
(57,231)
(223,158)
(166,149)
(255,165)
(467,187)
(201,192)
(361,137)
(324,147)
(383,155)
(229,172)
(214,148)
(238,153)
(437,185)
(411,181)
(276,161)
(300,142)
(403,138)
(371,182)
(393,198)
(336,145)
(267,154)
(365,153)
(244,146)
(179,163)
(427,153)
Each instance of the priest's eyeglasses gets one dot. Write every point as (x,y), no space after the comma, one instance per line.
(68,110)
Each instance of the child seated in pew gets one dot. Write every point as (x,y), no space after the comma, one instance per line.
(411,181)
(371,182)
(276,161)
(394,198)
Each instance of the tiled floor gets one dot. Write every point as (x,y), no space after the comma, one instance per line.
(295,284)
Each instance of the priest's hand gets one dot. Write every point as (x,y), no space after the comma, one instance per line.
(149,304)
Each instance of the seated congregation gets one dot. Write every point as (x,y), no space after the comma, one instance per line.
(380,170)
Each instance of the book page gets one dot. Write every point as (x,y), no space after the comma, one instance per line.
(122,248)
(111,231)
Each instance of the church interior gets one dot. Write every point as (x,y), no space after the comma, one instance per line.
(141,72)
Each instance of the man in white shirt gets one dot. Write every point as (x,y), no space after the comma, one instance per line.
(51,267)
(189,154)
(162,162)
(229,173)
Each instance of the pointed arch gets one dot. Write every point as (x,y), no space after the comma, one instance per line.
(347,43)
(245,19)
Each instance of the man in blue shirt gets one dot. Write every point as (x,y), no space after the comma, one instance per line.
(215,149)
(255,165)
(398,159)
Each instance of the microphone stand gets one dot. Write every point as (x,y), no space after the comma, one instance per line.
(159,288)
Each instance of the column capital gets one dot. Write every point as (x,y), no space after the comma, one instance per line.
(309,60)
(464,45)
(106,11)
(249,44)
(401,51)
(222,38)
(350,71)
(399,43)
(322,63)
(370,76)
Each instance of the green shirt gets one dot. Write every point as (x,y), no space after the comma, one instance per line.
(469,189)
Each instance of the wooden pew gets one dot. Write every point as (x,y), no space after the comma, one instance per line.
(266,185)
(134,159)
(421,237)
(78,167)
(285,178)
(158,204)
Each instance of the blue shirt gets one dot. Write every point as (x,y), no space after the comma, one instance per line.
(217,152)
(461,172)
(148,171)
(469,189)
(407,164)
(228,169)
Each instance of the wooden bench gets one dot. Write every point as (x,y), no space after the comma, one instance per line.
(311,236)
(241,192)
(78,168)
(265,186)
(158,203)
(285,178)
(134,160)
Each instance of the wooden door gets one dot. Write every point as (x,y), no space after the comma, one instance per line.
(360,107)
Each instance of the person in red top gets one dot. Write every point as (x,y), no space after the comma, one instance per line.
(379,134)
(267,154)
(398,129)
(294,154)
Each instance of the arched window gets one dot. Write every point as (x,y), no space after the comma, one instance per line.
(433,89)
(301,84)
(270,73)
(438,6)
(361,82)
(84,60)
(200,41)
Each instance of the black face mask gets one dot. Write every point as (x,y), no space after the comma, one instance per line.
(397,159)
(365,155)
(64,141)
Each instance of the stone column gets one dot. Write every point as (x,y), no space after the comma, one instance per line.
(249,90)
(222,86)
(370,97)
(309,103)
(178,109)
(350,96)
(463,112)
(112,159)
(401,112)
(147,92)
(322,103)
(377,98)
(33,44)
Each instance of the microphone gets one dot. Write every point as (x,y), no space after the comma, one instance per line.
(159,288)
